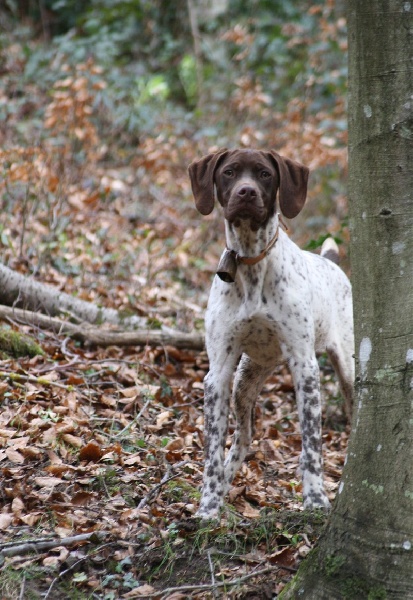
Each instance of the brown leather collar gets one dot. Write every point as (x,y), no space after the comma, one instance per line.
(227,268)
(253,260)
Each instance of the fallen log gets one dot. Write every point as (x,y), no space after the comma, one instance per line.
(102,336)
(24,291)
(36,546)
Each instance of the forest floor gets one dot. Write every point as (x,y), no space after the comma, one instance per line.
(109,441)
(101,449)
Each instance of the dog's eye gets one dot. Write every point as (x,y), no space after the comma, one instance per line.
(265,174)
(229,172)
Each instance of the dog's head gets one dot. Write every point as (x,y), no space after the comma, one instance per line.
(247,182)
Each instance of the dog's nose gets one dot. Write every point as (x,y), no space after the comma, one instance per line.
(247,192)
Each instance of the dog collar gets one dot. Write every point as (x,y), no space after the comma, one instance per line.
(227,268)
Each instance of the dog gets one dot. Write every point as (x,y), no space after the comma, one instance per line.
(270,302)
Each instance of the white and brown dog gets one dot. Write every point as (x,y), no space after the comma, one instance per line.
(270,302)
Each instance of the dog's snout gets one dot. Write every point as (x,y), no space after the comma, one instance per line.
(247,192)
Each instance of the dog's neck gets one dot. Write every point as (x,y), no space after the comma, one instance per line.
(246,242)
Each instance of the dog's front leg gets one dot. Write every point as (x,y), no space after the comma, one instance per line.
(306,378)
(216,407)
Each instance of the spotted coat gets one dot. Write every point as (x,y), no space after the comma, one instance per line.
(287,306)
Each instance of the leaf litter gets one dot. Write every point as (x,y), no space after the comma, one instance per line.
(120,451)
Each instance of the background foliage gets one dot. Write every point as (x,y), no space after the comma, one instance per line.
(132,87)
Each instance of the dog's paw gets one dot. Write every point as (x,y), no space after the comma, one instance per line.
(316,501)
(207,515)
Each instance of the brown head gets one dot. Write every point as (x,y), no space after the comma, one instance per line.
(247,183)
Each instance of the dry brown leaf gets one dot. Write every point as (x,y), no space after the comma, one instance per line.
(47,481)
(49,435)
(3,388)
(53,457)
(63,531)
(131,392)
(51,376)
(108,400)
(7,433)
(73,440)
(71,401)
(260,497)
(163,418)
(132,460)
(32,452)
(17,506)
(250,512)
(6,520)
(174,445)
(32,518)
(142,590)
(67,426)
(92,452)
(284,556)
(83,498)
(14,456)
(52,561)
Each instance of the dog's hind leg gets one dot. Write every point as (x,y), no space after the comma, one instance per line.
(248,382)
(343,364)
(306,376)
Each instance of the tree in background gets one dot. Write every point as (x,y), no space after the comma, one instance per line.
(367,549)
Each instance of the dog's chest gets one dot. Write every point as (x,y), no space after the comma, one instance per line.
(250,320)
(259,337)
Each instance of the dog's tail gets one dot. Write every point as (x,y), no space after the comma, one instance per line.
(329,250)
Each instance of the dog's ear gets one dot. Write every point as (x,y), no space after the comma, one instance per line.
(201,173)
(293,185)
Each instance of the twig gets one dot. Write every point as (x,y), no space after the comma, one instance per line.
(32,379)
(64,350)
(135,420)
(63,573)
(74,363)
(211,569)
(155,490)
(165,479)
(48,545)
(23,585)
(206,586)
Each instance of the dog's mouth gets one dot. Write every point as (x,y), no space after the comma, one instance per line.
(257,214)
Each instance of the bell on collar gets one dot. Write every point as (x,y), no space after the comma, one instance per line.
(227,268)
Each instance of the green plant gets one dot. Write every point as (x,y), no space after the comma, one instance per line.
(107,481)
(12,581)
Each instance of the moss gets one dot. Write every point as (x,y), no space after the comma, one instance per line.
(350,585)
(14,344)
(377,593)
(316,576)
(180,490)
(333,564)
(354,588)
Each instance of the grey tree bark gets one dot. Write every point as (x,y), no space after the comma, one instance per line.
(367,549)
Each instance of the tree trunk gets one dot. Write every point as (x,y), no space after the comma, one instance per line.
(367,549)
